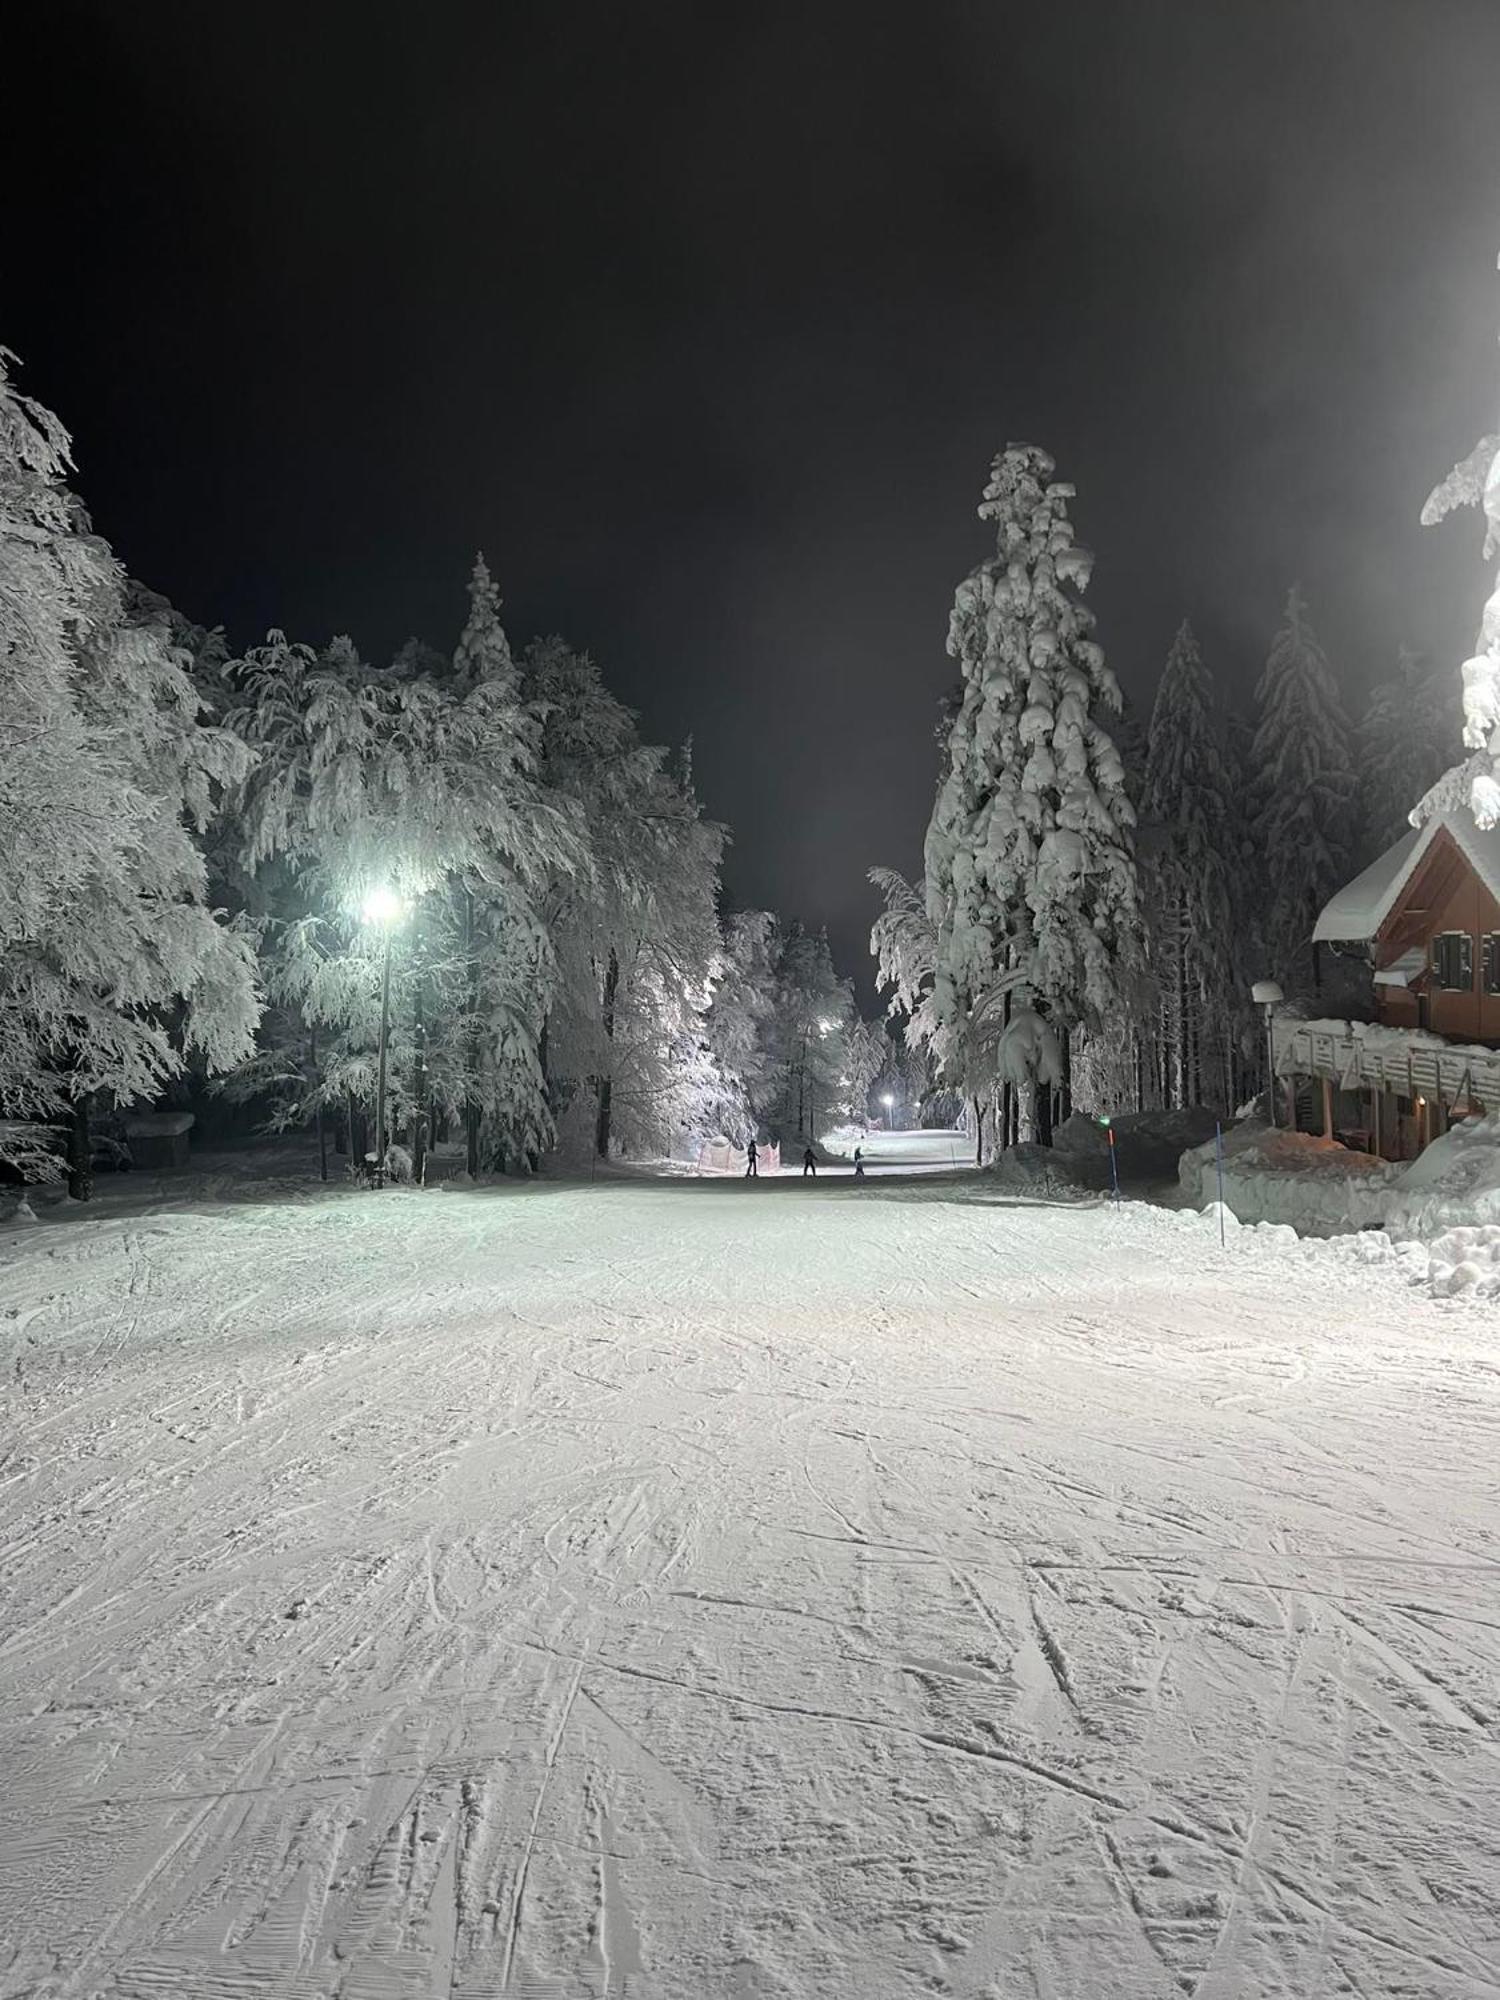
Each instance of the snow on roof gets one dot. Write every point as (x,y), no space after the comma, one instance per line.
(1356,913)
(1358,909)
(1402,971)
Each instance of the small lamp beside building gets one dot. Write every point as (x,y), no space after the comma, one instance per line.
(1268,996)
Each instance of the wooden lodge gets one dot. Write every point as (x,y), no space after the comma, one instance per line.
(1425,918)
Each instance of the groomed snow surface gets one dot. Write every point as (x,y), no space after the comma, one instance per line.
(684,1589)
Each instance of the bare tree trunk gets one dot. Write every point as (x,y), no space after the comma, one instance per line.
(472,1111)
(978,1130)
(606,1081)
(1042,1114)
(419,1076)
(80,1150)
(312,1057)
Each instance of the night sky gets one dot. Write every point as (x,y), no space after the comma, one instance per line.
(705,329)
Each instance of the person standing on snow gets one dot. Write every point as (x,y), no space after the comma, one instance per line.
(859,1164)
(752,1164)
(809,1164)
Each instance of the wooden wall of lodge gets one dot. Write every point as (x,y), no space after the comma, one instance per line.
(1445,894)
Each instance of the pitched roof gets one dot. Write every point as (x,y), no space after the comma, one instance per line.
(1356,913)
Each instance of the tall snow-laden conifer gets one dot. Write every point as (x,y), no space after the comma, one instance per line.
(483,652)
(1304,783)
(635,930)
(1186,877)
(1030,872)
(1406,739)
(113,969)
(740,1027)
(1474,482)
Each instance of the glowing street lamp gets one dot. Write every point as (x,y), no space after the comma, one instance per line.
(382,905)
(887,1099)
(383,909)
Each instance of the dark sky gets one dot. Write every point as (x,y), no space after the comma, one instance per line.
(705,327)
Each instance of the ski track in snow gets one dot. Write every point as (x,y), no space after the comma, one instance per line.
(688,1590)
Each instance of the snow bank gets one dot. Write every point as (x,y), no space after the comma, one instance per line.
(1454,1184)
(1316,1186)
(1437,1217)
(1043,1171)
(1444,1211)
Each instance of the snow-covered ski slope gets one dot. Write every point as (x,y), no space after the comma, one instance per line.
(684,1589)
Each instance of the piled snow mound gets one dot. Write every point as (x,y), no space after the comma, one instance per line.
(1460,1262)
(1315,1185)
(1465,1260)
(1148,1144)
(1454,1184)
(1443,1217)
(1436,1218)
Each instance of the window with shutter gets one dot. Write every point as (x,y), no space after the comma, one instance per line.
(1453,961)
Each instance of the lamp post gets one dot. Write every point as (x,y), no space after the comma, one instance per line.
(887,1100)
(382,906)
(1268,996)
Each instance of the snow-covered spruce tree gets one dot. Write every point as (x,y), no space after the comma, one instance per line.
(1304,789)
(813,1010)
(1185,870)
(1406,739)
(113,969)
(635,929)
(740,1025)
(866,1052)
(1474,481)
(1030,873)
(482,656)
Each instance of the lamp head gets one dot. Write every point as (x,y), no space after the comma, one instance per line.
(382,905)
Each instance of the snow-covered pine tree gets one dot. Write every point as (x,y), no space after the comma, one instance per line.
(1406,739)
(740,1025)
(1474,481)
(867,1051)
(1030,872)
(483,651)
(113,968)
(1304,787)
(635,928)
(1185,869)
(814,1007)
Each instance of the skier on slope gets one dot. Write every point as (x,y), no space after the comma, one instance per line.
(752,1163)
(809,1164)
